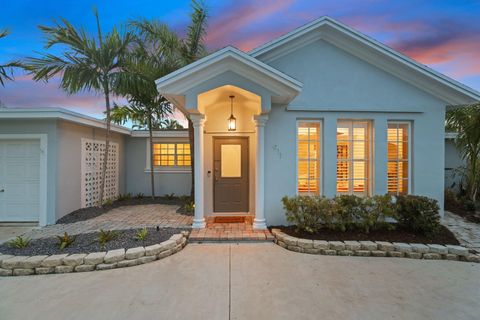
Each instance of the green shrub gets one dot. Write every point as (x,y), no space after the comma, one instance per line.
(126,196)
(19,242)
(418,214)
(107,202)
(190,207)
(170,196)
(309,213)
(350,210)
(65,241)
(141,234)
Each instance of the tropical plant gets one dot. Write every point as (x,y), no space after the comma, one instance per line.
(179,51)
(169,196)
(171,124)
(19,242)
(141,234)
(6,70)
(465,121)
(86,64)
(105,236)
(65,241)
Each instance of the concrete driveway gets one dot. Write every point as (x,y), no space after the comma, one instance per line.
(251,281)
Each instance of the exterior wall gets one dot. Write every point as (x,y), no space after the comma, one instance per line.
(48,127)
(338,85)
(137,175)
(453,160)
(69,163)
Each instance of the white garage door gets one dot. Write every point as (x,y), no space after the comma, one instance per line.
(19,180)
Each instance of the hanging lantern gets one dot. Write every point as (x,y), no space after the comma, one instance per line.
(232,122)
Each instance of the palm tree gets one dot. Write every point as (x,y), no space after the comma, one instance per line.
(6,70)
(171,124)
(465,120)
(180,52)
(144,115)
(86,64)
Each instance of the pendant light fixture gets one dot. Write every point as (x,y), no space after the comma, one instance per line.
(232,122)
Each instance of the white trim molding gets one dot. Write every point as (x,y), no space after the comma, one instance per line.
(43,183)
(198,121)
(259,222)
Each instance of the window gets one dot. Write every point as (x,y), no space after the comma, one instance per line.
(308,155)
(353,157)
(398,157)
(171,154)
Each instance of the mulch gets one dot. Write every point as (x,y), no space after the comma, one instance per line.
(471,216)
(445,236)
(88,242)
(92,212)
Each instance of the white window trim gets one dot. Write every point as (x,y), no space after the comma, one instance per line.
(410,177)
(165,169)
(320,158)
(371,159)
(43,185)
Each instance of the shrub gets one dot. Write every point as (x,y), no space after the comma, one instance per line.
(141,234)
(105,236)
(350,210)
(19,242)
(65,241)
(309,213)
(170,196)
(126,196)
(108,202)
(418,214)
(189,207)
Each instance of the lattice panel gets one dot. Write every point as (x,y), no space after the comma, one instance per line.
(92,161)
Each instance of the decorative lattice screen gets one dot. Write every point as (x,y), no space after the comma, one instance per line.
(92,161)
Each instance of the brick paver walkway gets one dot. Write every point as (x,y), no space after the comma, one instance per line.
(127,217)
(468,233)
(229,232)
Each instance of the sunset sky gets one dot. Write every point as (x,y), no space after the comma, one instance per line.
(444,35)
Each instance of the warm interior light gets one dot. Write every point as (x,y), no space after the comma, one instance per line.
(232,122)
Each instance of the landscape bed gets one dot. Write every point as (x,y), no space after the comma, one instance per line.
(89,242)
(444,236)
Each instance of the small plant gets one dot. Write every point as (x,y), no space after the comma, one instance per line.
(65,241)
(185,199)
(139,195)
(419,214)
(141,234)
(19,242)
(170,196)
(105,236)
(310,213)
(189,207)
(108,202)
(123,197)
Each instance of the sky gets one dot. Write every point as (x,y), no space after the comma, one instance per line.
(445,35)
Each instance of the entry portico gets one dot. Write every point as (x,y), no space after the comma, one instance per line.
(202,91)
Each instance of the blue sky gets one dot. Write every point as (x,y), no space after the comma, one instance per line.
(444,35)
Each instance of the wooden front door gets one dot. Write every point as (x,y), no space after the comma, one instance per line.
(230,163)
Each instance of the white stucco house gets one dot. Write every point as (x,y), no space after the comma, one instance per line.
(321,110)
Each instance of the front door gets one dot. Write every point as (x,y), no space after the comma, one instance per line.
(230,163)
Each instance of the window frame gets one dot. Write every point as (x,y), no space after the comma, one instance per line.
(319,158)
(369,142)
(166,169)
(409,158)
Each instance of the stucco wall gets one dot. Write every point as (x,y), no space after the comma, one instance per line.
(138,177)
(69,163)
(338,85)
(48,127)
(453,161)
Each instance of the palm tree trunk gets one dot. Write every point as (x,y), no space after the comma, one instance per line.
(152,174)
(191,139)
(107,144)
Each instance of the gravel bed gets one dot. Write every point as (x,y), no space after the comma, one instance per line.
(88,242)
(92,212)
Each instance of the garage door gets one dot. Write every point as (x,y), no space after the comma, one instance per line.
(19,180)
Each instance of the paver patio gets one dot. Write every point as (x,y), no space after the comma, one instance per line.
(229,232)
(251,281)
(467,233)
(126,217)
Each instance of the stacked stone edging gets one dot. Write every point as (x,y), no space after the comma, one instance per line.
(82,262)
(375,248)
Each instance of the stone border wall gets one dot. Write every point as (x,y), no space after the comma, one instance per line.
(81,262)
(374,249)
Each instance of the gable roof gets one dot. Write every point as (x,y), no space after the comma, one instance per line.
(174,85)
(372,51)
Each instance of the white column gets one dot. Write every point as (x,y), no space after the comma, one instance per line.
(259,221)
(198,121)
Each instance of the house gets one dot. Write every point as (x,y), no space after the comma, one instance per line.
(321,110)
